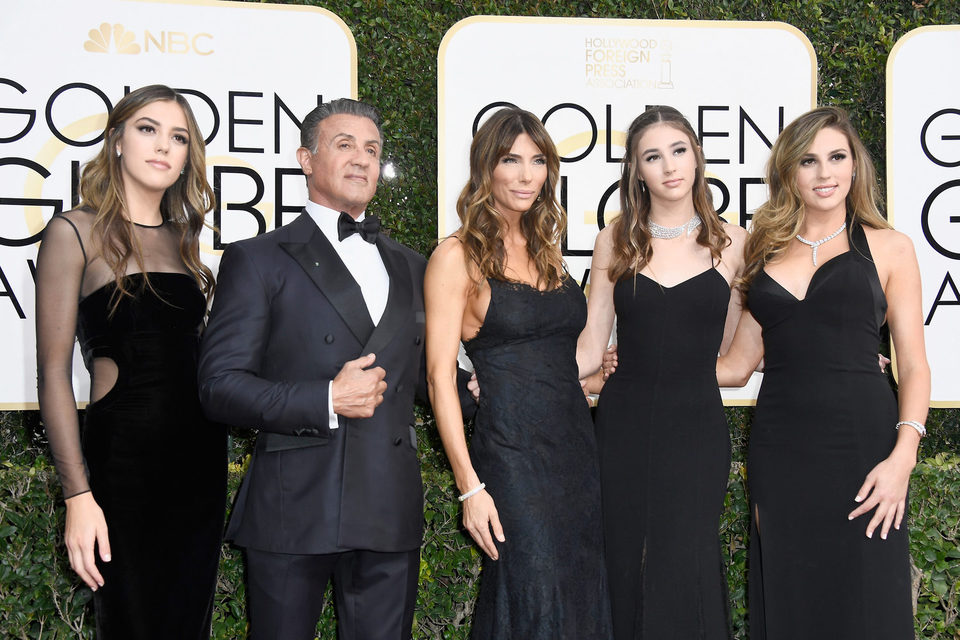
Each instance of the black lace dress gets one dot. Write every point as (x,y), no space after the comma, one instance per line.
(533,445)
(155,465)
(825,417)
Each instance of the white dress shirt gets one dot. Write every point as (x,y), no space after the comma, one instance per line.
(364,263)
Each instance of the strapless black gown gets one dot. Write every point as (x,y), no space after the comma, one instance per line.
(825,417)
(533,445)
(157,467)
(665,459)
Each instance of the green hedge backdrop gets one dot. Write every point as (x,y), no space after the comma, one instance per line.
(397,42)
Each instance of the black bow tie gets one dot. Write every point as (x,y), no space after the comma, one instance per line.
(367,228)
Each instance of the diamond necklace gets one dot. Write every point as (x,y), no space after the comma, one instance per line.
(668,233)
(815,245)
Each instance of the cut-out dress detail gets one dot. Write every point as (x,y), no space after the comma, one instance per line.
(155,465)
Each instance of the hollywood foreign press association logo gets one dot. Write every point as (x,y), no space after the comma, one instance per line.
(123,40)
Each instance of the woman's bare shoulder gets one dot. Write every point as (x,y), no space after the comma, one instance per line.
(889,243)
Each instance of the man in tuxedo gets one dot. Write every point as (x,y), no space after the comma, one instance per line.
(316,339)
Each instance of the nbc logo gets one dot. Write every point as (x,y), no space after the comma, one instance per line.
(127,41)
(123,40)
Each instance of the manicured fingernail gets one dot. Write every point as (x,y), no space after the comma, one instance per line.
(870,535)
(849,517)
(883,536)
(106,558)
(858,499)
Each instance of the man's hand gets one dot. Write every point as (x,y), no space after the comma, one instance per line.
(357,390)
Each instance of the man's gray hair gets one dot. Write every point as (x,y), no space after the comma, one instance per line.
(310,129)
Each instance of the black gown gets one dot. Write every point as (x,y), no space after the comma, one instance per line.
(156,467)
(533,445)
(665,459)
(154,464)
(825,417)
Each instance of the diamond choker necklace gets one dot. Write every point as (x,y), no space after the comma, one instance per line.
(668,233)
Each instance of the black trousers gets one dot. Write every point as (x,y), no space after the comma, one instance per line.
(375,594)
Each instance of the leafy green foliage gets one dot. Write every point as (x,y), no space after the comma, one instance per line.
(935,544)
(397,44)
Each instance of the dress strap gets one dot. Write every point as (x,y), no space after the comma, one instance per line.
(858,240)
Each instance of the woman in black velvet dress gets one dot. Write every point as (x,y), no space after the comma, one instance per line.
(830,449)
(145,479)
(529,482)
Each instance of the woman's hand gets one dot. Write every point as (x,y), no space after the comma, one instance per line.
(479,517)
(609,361)
(86,530)
(473,386)
(886,489)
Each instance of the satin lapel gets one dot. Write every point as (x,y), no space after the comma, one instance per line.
(321,263)
(398,309)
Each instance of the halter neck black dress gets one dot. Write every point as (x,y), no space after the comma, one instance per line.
(533,445)
(825,417)
(665,459)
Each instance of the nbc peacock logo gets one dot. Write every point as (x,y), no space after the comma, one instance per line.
(123,40)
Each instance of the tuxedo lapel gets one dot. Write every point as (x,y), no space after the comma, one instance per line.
(317,257)
(398,309)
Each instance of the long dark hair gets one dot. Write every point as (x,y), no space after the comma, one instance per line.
(184,205)
(482,225)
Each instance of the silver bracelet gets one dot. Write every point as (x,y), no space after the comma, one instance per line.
(477,489)
(922,430)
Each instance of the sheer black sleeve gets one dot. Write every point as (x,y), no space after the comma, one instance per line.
(60,269)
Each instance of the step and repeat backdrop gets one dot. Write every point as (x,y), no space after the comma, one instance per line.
(738,83)
(252,70)
(923,186)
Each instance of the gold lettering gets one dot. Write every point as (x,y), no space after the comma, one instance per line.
(197,49)
(161,44)
(178,43)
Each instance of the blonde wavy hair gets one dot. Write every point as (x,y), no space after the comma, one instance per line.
(777,222)
(632,247)
(184,204)
(483,226)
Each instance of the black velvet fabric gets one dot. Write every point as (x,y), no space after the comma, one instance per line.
(825,417)
(664,459)
(156,467)
(534,447)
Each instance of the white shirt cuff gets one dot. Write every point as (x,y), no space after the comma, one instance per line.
(332,421)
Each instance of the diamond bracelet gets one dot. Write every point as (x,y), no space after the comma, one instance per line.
(922,430)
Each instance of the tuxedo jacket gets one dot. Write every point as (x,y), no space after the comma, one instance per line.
(286,317)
